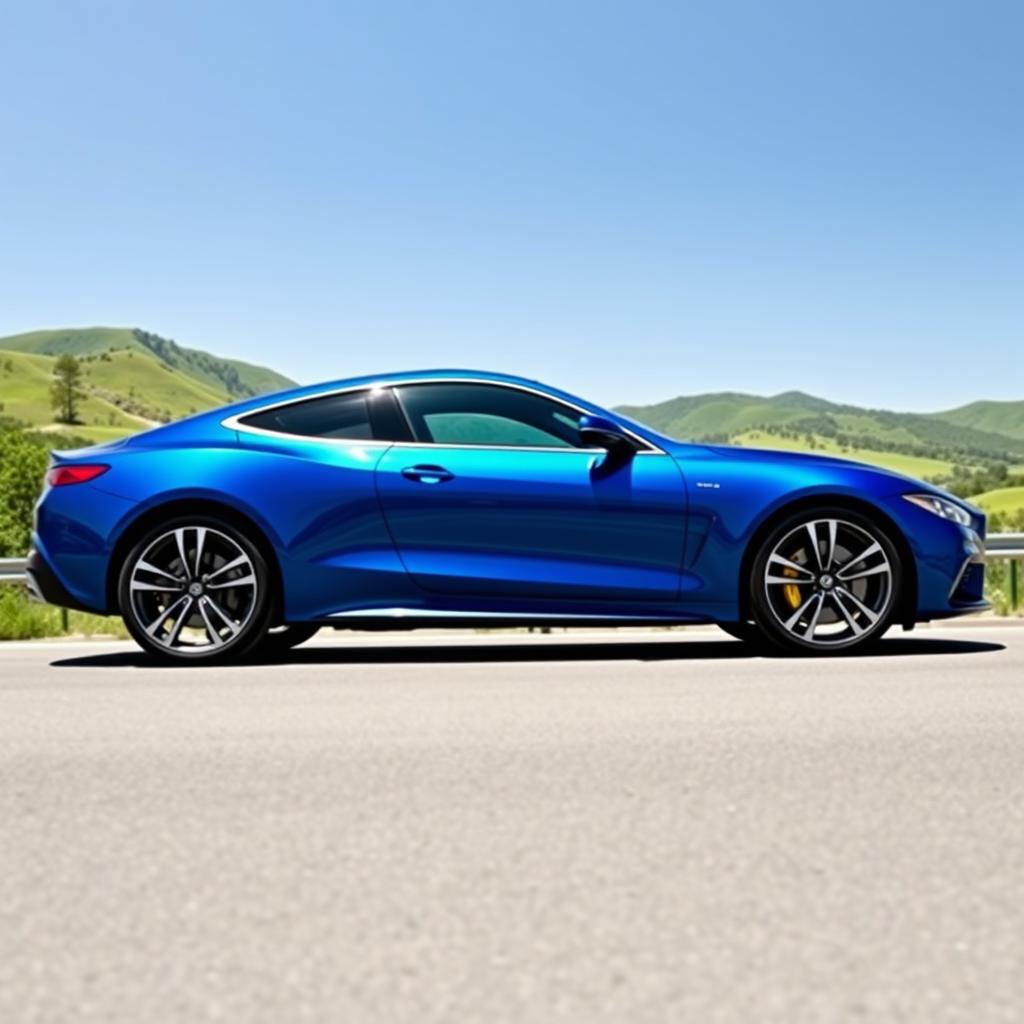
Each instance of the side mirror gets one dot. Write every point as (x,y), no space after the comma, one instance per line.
(599,432)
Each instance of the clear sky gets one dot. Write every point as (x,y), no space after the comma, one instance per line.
(632,200)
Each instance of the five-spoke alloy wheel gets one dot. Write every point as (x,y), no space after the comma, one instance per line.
(825,580)
(195,589)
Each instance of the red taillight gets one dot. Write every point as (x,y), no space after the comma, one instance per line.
(60,476)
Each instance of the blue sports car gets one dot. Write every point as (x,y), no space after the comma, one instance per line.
(459,498)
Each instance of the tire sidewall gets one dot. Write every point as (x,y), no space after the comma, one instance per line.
(765,618)
(249,636)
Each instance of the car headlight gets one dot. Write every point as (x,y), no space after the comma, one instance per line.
(941,507)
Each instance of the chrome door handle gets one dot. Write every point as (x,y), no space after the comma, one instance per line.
(427,474)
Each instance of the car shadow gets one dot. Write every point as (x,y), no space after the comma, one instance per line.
(484,653)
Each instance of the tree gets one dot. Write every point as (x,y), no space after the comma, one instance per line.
(22,465)
(66,391)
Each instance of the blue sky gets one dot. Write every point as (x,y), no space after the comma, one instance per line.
(632,200)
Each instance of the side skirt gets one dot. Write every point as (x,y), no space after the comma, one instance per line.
(420,618)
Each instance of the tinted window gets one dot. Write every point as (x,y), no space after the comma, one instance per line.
(488,414)
(344,416)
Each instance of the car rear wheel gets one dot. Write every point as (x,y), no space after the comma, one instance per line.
(195,589)
(825,581)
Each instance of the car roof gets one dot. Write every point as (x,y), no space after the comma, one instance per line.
(402,377)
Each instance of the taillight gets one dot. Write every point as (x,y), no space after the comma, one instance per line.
(61,476)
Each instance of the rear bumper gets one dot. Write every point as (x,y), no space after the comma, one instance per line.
(44,585)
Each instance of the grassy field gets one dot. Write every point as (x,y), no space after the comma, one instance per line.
(153,383)
(911,465)
(76,341)
(25,395)
(1005,499)
(21,619)
(223,376)
(133,378)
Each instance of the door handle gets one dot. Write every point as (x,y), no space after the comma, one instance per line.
(427,474)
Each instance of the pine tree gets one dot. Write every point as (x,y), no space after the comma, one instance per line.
(66,391)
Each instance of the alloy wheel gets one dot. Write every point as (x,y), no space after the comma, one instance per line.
(829,582)
(193,590)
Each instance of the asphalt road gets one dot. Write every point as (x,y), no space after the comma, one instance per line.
(658,828)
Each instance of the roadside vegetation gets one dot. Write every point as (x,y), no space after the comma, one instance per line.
(22,619)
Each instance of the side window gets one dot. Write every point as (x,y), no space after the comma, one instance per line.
(487,414)
(345,417)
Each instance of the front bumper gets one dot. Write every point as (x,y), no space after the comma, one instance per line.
(961,591)
(969,586)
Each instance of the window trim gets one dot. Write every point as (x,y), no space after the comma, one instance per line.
(234,422)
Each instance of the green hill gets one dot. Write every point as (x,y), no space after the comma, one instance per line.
(132,379)
(724,416)
(1005,500)
(233,377)
(25,398)
(996,417)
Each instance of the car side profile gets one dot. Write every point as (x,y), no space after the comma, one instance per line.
(461,498)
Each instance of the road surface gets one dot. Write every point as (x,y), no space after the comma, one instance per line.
(456,829)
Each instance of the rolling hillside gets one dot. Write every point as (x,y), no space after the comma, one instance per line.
(226,376)
(132,380)
(25,398)
(995,417)
(794,416)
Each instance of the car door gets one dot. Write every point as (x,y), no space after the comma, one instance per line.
(495,498)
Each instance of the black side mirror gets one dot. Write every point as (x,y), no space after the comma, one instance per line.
(599,432)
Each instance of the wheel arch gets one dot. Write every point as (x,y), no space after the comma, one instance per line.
(157,514)
(907,598)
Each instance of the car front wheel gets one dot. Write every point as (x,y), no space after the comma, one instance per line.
(195,589)
(825,581)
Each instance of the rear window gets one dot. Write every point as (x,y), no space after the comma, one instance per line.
(345,417)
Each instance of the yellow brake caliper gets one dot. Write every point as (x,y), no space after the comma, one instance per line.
(790,590)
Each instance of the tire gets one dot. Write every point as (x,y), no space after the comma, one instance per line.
(745,631)
(212,572)
(281,639)
(752,636)
(837,601)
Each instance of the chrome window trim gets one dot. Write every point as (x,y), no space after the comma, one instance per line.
(234,422)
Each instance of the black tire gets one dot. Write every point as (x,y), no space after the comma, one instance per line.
(281,639)
(747,632)
(229,606)
(751,635)
(840,607)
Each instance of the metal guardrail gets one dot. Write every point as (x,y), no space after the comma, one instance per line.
(997,546)
(12,570)
(1005,545)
